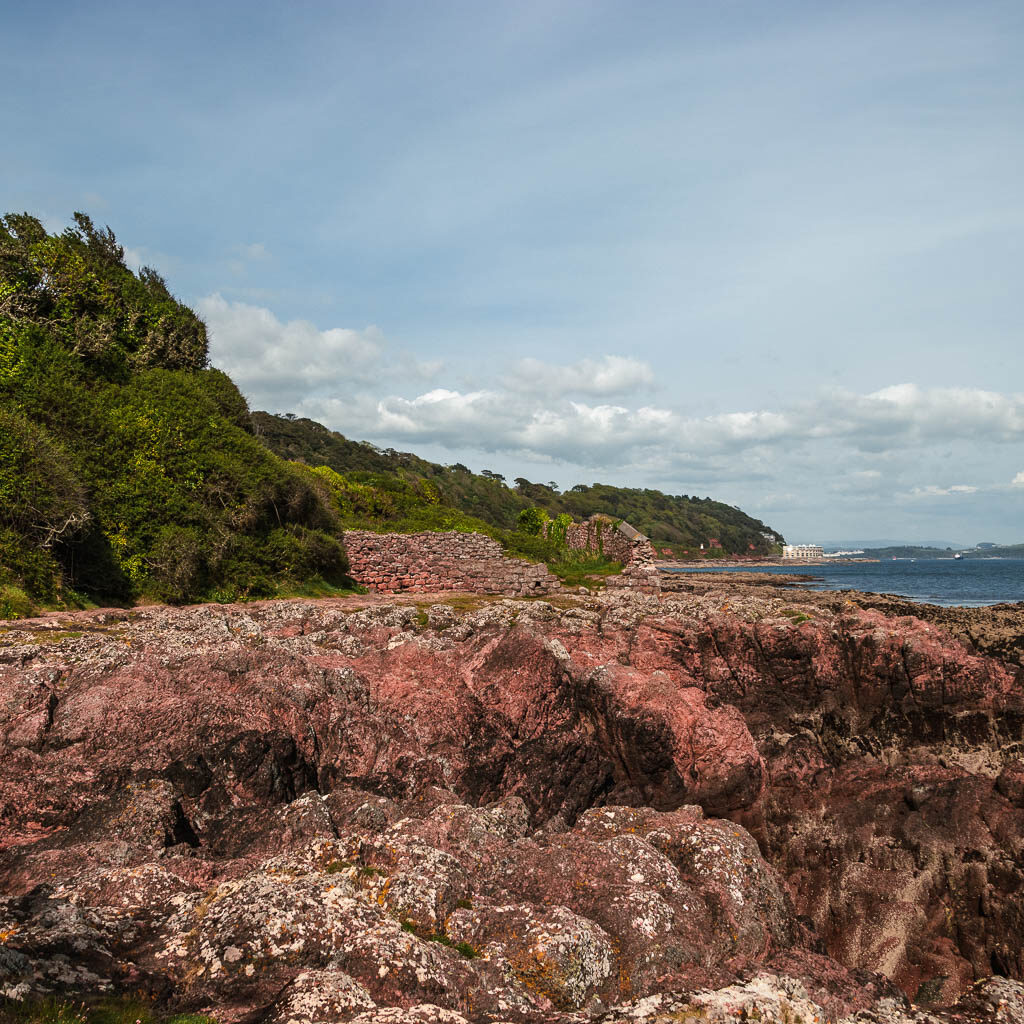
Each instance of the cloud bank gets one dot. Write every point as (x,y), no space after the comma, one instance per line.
(927,449)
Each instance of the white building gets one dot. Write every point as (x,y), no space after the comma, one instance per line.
(803,551)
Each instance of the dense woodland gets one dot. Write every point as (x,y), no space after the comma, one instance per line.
(130,469)
(680,522)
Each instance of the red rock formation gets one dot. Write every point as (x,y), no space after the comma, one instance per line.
(300,810)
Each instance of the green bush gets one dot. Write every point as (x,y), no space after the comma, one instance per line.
(560,527)
(176,564)
(105,1010)
(41,497)
(532,521)
(24,565)
(15,603)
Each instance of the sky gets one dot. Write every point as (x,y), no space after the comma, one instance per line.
(766,253)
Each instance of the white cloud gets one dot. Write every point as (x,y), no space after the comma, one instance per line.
(899,418)
(254,251)
(887,428)
(933,491)
(277,363)
(609,375)
(879,450)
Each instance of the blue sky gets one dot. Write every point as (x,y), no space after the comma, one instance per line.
(768,253)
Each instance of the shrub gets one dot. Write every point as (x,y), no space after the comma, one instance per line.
(15,603)
(560,527)
(25,566)
(532,521)
(177,565)
(41,497)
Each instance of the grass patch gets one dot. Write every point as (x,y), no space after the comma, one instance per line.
(313,587)
(582,568)
(107,1010)
(795,615)
(317,587)
(15,603)
(465,602)
(462,948)
(47,636)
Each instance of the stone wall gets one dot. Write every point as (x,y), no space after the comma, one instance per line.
(392,562)
(599,534)
(621,543)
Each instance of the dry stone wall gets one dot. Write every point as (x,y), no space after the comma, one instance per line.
(393,562)
(622,543)
(600,534)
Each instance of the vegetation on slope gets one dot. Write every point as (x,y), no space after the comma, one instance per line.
(908,551)
(105,1010)
(128,468)
(131,470)
(680,523)
(388,503)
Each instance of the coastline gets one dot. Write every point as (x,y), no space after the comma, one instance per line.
(751,563)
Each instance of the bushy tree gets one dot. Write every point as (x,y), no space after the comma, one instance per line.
(532,521)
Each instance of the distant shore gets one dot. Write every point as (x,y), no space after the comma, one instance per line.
(758,563)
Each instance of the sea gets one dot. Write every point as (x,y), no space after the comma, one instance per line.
(969,582)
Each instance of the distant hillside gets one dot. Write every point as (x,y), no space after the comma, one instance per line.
(997,551)
(679,522)
(908,551)
(911,551)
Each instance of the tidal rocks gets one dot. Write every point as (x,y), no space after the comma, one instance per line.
(621,808)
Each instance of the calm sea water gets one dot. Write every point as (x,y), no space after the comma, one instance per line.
(971,581)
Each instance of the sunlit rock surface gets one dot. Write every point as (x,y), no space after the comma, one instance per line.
(712,805)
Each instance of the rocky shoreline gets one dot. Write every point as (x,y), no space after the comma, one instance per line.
(735,800)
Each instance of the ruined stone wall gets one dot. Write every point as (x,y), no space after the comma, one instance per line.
(599,535)
(392,562)
(621,543)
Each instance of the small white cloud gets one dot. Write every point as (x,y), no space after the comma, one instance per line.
(254,251)
(1018,480)
(609,375)
(932,491)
